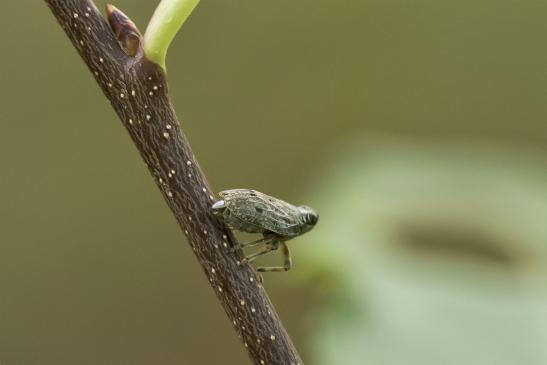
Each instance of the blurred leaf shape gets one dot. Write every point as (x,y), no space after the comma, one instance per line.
(429,254)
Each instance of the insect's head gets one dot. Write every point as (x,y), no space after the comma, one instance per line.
(308,216)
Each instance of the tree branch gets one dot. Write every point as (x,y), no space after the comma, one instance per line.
(137,90)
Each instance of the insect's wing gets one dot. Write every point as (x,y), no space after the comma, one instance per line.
(234,193)
(263,211)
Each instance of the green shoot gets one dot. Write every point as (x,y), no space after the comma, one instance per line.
(168,18)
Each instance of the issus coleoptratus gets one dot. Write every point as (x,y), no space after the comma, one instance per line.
(278,221)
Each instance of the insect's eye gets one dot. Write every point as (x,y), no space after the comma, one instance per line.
(311,218)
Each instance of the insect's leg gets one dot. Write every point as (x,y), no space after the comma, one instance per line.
(264,251)
(287,261)
(252,243)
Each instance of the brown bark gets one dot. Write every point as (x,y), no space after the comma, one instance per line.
(137,90)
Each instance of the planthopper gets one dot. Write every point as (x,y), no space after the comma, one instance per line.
(278,221)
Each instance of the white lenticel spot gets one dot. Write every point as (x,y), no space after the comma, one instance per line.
(151,93)
(242,302)
(189,163)
(148,116)
(131,121)
(122,95)
(155,87)
(133,92)
(168,126)
(166,135)
(76,15)
(253,310)
(262,362)
(173,172)
(251,279)
(87,15)
(205,232)
(272,337)
(204,190)
(170,194)
(101,60)
(213,270)
(220,289)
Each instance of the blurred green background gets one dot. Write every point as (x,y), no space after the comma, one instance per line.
(418,129)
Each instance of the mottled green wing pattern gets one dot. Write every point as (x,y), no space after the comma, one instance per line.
(263,210)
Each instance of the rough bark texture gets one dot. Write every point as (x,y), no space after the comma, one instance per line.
(137,90)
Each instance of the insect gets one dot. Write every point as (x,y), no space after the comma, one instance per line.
(278,221)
